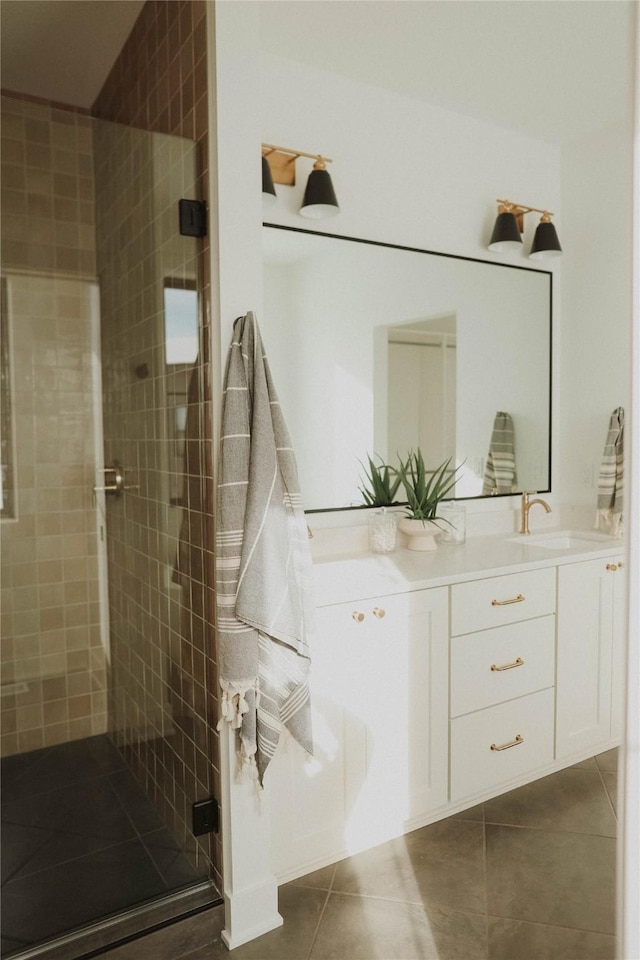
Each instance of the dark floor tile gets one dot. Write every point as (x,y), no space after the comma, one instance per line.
(105,753)
(473,813)
(53,901)
(509,939)
(132,798)
(20,844)
(321,879)
(608,760)
(439,864)
(62,848)
(551,877)
(90,810)
(51,768)
(8,946)
(611,783)
(363,928)
(571,800)
(588,764)
(170,859)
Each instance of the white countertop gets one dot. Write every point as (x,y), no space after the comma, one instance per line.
(339,579)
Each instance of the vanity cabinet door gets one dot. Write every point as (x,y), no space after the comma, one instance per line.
(587,622)
(380,714)
(400,701)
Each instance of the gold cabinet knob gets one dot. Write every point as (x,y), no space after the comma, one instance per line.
(357,616)
(378,612)
(612,566)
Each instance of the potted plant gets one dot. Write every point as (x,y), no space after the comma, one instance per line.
(381,484)
(424,490)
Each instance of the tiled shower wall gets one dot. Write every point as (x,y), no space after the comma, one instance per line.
(167,708)
(53,661)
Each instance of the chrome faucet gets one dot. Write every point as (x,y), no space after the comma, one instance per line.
(526,506)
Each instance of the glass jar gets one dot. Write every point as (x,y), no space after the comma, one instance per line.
(382,531)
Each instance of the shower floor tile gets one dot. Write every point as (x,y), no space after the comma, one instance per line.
(80,841)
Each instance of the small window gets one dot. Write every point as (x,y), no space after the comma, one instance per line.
(180,321)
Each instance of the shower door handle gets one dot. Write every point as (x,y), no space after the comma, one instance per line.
(114,480)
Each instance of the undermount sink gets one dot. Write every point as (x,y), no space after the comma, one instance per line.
(560,539)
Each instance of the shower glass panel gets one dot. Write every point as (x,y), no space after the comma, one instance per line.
(106,737)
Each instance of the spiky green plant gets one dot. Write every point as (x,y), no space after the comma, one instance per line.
(425,489)
(381,483)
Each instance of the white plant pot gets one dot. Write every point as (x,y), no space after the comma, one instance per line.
(421,534)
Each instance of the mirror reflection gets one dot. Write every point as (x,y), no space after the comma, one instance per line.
(379,349)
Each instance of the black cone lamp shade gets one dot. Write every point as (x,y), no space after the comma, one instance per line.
(506,233)
(319,197)
(268,189)
(545,242)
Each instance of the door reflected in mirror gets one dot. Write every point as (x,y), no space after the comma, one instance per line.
(421,391)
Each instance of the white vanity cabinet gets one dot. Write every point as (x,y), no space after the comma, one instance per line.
(431,699)
(502,679)
(379,695)
(590,655)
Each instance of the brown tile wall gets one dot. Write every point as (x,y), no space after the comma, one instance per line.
(164,708)
(53,661)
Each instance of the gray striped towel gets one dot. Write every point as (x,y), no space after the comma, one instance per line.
(610,480)
(263,563)
(500,468)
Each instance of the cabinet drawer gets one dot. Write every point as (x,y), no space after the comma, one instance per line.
(475,766)
(481,604)
(501,664)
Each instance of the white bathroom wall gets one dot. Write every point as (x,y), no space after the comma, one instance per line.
(404,171)
(595,335)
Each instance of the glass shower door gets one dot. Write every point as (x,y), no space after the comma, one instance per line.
(155,414)
(105,692)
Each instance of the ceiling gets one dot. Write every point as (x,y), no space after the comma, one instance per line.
(551,69)
(63,50)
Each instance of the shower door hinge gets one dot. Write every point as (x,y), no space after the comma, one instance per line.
(193,218)
(204,817)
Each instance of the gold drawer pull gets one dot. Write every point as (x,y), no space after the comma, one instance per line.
(503,603)
(613,566)
(357,616)
(507,746)
(519,662)
(379,612)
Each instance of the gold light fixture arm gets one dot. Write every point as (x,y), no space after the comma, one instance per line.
(519,210)
(281,162)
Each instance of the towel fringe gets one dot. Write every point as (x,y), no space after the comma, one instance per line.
(233,706)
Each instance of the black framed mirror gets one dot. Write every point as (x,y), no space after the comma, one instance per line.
(377,349)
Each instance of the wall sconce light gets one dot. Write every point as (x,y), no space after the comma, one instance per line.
(279,166)
(509,225)
(268,190)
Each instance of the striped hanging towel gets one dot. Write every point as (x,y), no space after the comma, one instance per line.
(500,468)
(610,481)
(263,562)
